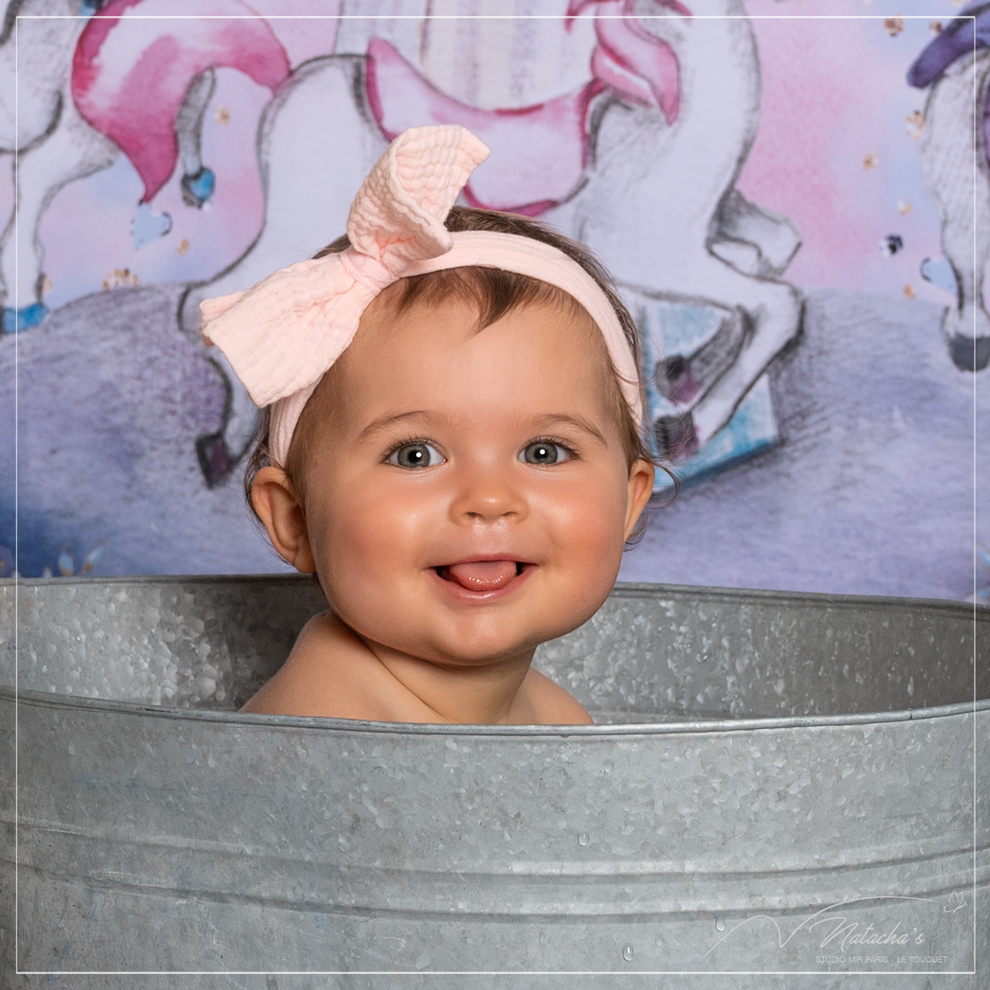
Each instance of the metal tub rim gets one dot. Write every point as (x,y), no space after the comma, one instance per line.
(626,590)
(320,724)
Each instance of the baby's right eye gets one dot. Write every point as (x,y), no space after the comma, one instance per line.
(416,455)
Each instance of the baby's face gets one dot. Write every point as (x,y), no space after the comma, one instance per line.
(468,496)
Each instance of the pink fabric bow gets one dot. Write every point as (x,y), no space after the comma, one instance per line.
(281,336)
(312,309)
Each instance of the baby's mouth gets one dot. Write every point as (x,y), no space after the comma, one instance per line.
(481,575)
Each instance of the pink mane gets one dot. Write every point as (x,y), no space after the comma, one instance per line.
(130,73)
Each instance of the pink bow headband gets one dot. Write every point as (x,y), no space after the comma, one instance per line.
(282,335)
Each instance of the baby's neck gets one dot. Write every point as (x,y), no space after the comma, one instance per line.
(485,693)
(332,672)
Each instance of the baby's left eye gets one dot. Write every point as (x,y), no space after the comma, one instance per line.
(543,452)
(417,454)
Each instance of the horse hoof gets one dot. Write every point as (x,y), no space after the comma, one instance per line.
(675,380)
(198,187)
(676,437)
(968,353)
(16,320)
(215,459)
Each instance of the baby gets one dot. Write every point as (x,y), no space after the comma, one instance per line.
(451,442)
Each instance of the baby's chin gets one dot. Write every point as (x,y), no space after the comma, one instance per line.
(462,655)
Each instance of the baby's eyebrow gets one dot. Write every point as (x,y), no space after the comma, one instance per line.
(585,425)
(537,424)
(384,422)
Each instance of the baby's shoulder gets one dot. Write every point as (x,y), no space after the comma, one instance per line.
(551,703)
(325,675)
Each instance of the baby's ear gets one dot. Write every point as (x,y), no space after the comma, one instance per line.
(278,506)
(641,476)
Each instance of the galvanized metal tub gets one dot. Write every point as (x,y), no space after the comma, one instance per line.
(778,784)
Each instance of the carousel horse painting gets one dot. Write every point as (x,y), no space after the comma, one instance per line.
(955,68)
(626,125)
(135,78)
(55,145)
(637,156)
(668,173)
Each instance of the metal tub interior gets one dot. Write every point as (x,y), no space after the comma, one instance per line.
(777,784)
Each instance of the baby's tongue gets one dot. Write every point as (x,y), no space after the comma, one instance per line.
(483,575)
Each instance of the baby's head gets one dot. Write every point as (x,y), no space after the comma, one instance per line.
(488,294)
(464,475)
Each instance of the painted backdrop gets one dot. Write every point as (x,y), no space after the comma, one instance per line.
(789,204)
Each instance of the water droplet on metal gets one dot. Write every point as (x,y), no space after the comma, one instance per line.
(607,767)
(583,839)
(627,952)
(543,937)
(720,924)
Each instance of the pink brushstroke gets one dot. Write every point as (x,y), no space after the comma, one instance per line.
(130,74)
(539,152)
(637,65)
(302,35)
(832,91)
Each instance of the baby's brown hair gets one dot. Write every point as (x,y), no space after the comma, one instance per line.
(494,292)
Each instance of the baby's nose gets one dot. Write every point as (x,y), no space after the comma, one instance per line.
(487,494)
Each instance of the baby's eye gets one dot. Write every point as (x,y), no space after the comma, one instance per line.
(543,452)
(416,455)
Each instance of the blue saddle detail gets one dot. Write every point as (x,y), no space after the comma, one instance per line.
(16,320)
(939,272)
(147,227)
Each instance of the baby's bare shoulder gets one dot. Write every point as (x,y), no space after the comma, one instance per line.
(552,704)
(323,676)
(330,674)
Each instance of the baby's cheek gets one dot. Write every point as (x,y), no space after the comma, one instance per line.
(588,529)
(370,536)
